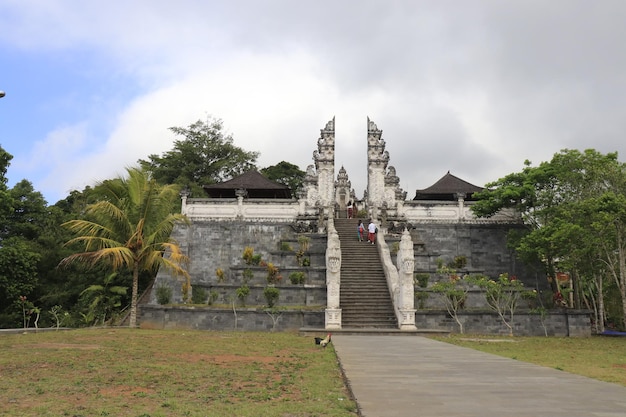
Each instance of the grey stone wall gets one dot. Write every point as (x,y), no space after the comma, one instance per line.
(561,323)
(246,319)
(574,323)
(484,246)
(211,245)
(220,244)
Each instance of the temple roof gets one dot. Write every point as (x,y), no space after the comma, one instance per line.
(255,184)
(447,188)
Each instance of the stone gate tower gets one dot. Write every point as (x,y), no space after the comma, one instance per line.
(384,195)
(324,158)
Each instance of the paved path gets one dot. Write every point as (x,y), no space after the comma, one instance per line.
(413,376)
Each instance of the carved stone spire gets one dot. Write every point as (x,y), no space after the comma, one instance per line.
(377,159)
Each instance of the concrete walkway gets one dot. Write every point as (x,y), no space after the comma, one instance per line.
(413,376)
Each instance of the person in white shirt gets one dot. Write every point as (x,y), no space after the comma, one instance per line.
(371,232)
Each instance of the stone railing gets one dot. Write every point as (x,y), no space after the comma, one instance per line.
(333,278)
(399,280)
(217,209)
(450,212)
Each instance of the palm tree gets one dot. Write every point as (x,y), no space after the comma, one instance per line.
(129,227)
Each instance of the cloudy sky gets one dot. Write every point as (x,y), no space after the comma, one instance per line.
(470,87)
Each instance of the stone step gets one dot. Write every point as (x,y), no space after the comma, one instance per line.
(364,296)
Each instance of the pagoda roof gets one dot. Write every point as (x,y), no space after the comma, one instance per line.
(447,188)
(255,184)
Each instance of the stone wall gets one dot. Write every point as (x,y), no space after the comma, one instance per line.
(483,245)
(246,319)
(220,244)
(572,323)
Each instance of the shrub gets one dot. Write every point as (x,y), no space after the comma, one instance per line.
(198,295)
(297,277)
(219,272)
(421,296)
(272,274)
(242,293)
(256,259)
(247,275)
(303,243)
(213,296)
(459,262)
(285,246)
(248,253)
(421,279)
(164,295)
(271,296)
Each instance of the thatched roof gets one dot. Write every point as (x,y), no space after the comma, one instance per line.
(254,184)
(447,188)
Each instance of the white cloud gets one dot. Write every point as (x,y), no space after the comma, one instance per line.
(474,88)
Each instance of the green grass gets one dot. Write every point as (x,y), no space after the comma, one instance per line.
(158,373)
(602,358)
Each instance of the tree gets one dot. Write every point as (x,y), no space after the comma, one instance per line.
(503,296)
(205,156)
(5,198)
(129,229)
(18,277)
(573,207)
(286,174)
(29,211)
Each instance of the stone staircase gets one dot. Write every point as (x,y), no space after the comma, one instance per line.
(364,300)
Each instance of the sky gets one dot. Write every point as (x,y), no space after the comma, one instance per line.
(473,87)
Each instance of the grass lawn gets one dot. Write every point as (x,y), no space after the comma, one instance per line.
(598,357)
(154,373)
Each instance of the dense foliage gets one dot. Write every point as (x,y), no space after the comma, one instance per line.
(206,155)
(129,229)
(575,210)
(33,241)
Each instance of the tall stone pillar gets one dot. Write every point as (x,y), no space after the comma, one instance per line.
(324,158)
(333,279)
(406,266)
(377,160)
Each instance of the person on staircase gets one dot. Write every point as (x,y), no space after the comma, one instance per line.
(350,209)
(371,232)
(361,231)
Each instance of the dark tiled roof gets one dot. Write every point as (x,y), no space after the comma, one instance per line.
(446,189)
(253,182)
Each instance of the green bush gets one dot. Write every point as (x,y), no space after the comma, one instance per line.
(297,277)
(247,275)
(271,296)
(421,279)
(164,295)
(285,246)
(242,293)
(198,295)
(213,296)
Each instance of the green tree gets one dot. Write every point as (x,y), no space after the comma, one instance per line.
(573,207)
(5,198)
(286,174)
(129,229)
(205,156)
(503,296)
(18,277)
